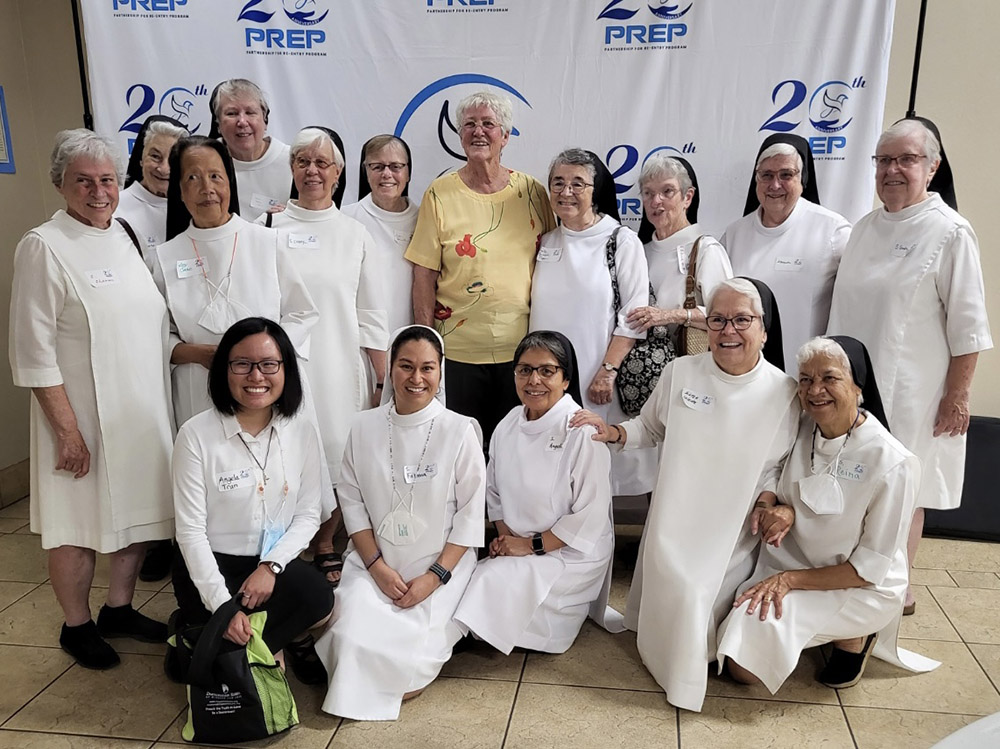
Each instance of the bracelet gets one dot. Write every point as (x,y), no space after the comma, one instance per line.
(618,431)
(378,555)
(379,385)
(764,505)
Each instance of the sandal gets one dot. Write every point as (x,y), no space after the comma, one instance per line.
(845,669)
(329,563)
(306,665)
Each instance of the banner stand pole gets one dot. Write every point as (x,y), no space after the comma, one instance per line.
(88,116)
(912,109)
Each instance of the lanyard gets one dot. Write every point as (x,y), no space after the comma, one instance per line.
(836,460)
(201,264)
(263,470)
(392,465)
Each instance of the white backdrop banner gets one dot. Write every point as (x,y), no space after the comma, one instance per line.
(707,79)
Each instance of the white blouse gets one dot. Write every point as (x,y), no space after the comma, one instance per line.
(668,266)
(146,213)
(266,181)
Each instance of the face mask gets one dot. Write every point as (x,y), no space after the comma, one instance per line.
(221,312)
(822,493)
(400,527)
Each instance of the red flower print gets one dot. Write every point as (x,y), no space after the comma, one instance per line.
(441,312)
(465,247)
(538,242)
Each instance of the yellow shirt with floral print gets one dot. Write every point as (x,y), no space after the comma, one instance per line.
(484,248)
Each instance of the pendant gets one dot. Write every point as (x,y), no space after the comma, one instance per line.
(285,489)
(260,489)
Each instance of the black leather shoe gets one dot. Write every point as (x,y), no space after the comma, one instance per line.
(156,565)
(845,669)
(85,643)
(306,665)
(125,621)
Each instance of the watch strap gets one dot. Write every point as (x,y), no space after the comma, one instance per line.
(442,574)
(537,544)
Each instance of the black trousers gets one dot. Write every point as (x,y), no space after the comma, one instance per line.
(485,392)
(301,596)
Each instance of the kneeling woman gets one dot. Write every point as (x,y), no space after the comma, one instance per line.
(412,490)
(841,573)
(247,498)
(549,493)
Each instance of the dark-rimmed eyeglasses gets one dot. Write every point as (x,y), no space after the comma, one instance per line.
(740,322)
(245,367)
(545,371)
(377,168)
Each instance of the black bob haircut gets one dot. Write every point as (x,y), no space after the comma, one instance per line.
(178,216)
(289,401)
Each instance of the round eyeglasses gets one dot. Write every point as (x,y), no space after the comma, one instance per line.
(546,371)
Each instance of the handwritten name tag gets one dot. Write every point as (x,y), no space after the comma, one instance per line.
(682,261)
(228,481)
(415,474)
(793,264)
(698,402)
(262,202)
(194,266)
(102,277)
(303,241)
(851,471)
(549,254)
(402,238)
(555,443)
(902,250)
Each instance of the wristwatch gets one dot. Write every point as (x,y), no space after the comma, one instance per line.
(442,574)
(537,544)
(609,367)
(276,568)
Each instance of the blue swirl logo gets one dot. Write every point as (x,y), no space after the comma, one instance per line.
(659,8)
(304,12)
(828,105)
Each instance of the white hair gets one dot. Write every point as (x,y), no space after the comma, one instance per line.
(662,166)
(500,104)
(780,149)
(905,128)
(822,346)
(73,144)
(313,136)
(743,287)
(239,88)
(159,127)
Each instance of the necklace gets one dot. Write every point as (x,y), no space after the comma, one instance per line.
(201,263)
(262,467)
(392,464)
(812,450)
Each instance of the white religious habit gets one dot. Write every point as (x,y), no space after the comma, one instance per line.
(212,278)
(392,233)
(862,517)
(724,438)
(911,287)
(245,495)
(85,314)
(266,182)
(798,260)
(336,258)
(668,261)
(418,481)
(571,293)
(544,476)
(146,213)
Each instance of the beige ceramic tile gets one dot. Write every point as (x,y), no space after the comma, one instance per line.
(11,525)
(940,578)
(36,619)
(132,701)
(597,659)
(25,530)
(976,579)
(20,509)
(451,713)
(972,611)
(22,559)
(800,686)
(26,672)
(875,728)
(725,723)
(989,658)
(928,622)
(958,685)
(25,740)
(585,718)
(964,556)
(101,576)
(10,592)
(483,662)
(618,595)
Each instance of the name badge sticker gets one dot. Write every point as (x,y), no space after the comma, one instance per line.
(102,277)
(555,443)
(303,241)
(902,250)
(228,481)
(192,267)
(697,402)
(788,264)
(549,254)
(262,202)
(402,238)
(682,261)
(851,471)
(416,474)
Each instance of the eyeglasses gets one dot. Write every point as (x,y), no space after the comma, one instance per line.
(245,367)
(785,175)
(740,322)
(471,125)
(546,371)
(668,194)
(905,161)
(576,187)
(395,167)
(321,164)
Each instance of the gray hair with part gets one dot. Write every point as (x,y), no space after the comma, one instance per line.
(313,136)
(159,127)
(905,128)
(744,288)
(500,104)
(661,166)
(240,88)
(780,149)
(82,143)
(823,346)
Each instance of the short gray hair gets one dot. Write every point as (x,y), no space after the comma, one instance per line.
(905,128)
(822,346)
(574,157)
(73,144)
(159,127)
(240,88)
(311,136)
(662,166)
(742,287)
(780,149)
(500,104)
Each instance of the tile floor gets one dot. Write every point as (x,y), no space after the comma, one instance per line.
(596,695)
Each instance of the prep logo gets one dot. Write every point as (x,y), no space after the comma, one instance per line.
(625,166)
(285,28)
(177,102)
(661,28)
(829,109)
(447,131)
(149,8)
(465,6)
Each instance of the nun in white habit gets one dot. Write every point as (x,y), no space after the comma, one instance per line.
(412,491)
(726,419)
(840,574)
(549,493)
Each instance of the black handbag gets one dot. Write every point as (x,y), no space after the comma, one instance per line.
(642,365)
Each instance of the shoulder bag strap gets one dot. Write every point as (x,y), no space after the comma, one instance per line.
(131,233)
(691,283)
(208,645)
(269,220)
(611,248)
